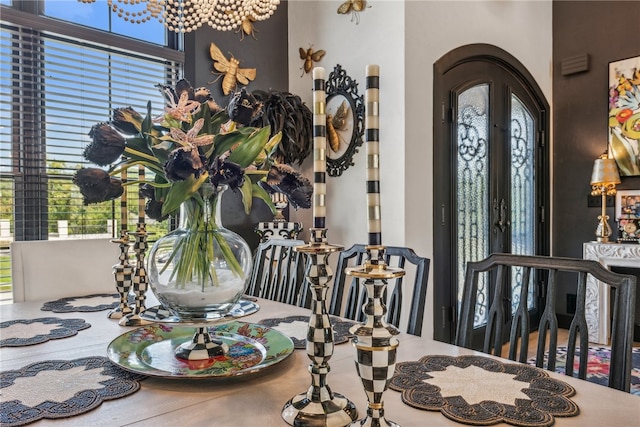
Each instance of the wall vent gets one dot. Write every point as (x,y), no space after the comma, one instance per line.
(574,64)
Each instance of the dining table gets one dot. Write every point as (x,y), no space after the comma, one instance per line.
(257,398)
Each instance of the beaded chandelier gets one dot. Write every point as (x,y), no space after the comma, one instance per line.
(188,15)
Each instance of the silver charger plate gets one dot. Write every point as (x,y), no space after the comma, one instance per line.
(160,314)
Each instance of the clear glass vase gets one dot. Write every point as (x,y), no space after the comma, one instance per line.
(199,271)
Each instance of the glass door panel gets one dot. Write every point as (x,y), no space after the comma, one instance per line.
(473,186)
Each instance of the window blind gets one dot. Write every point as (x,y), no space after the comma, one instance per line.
(54,89)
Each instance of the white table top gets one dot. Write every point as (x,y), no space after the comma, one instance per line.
(257,400)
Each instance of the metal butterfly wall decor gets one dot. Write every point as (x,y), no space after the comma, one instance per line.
(230,69)
(309,57)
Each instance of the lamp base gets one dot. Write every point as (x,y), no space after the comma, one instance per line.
(603,231)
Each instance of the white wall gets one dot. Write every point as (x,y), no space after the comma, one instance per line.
(377,39)
(406,38)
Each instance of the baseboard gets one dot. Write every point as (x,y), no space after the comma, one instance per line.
(564,321)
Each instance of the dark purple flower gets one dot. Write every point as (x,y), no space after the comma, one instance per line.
(147,191)
(127,121)
(184,162)
(242,107)
(285,179)
(107,145)
(153,209)
(96,185)
(225,172)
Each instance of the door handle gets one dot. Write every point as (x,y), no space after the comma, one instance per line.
(501,223)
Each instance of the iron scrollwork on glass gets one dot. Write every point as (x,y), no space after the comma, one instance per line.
(345,121)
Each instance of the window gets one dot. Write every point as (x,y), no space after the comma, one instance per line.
(58,80)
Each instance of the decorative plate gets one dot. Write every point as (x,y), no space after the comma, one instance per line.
(161,315)
(149,350)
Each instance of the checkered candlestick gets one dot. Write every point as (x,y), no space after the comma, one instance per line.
(375,341)
(140,279)
(319,406)
(123,273)
(201,347)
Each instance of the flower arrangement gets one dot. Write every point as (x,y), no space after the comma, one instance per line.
(195,150)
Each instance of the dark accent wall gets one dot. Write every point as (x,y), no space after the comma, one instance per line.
(580,108)
(268,54)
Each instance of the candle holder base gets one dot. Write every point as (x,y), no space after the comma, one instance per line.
(375,420)
(375,342)
(302,410)
(319,406)
(123,274)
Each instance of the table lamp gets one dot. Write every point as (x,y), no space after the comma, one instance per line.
(603,182)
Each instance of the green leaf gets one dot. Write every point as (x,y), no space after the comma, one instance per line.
(146,123)
(261,193)
(139,144)
(247,197)
(181,191)
(218,119)
(224,142)
(247,152)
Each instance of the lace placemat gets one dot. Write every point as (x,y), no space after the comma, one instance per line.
(94,302)
(22,332)
(61,389)
(296,327)
(478,390)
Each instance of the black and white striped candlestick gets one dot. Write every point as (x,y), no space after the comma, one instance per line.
(375,341)
(319,405)
(123,271)
(372,135)
(319,149)
(140,279)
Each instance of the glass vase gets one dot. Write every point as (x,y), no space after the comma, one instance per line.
(199,271)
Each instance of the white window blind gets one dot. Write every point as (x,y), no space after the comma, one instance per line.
(54,88)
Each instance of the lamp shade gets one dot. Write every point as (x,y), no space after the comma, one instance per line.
(605,171)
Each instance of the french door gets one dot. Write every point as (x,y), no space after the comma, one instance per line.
(491,174)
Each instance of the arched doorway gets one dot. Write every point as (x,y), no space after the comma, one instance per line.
(491,171)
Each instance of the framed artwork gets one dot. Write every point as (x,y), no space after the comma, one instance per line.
(624,115)
(627,204)
(628,215)
(345,120)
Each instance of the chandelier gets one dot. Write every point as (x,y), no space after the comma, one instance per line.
(188,15)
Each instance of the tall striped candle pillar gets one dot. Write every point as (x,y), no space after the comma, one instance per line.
(372,127)
(124,217)
(319,149)
(141,213)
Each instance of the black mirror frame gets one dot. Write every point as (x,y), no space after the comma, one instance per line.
(340,84)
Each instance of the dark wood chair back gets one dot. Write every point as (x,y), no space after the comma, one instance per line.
(498,268)
(279,273)
(396,256)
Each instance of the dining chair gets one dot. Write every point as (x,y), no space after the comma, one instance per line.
(279,273)
(416,267)
(498,270)
(48,269)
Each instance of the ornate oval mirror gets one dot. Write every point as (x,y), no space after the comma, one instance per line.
(345,120)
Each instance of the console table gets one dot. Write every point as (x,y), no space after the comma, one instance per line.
(597,299)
